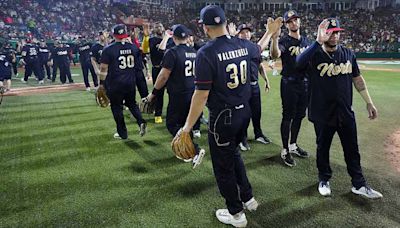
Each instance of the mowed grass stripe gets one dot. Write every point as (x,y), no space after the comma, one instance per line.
(60,166)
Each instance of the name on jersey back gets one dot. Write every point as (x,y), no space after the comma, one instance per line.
(232,54)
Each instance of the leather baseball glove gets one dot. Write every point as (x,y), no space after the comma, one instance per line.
(183,146)
(101,97)
(146,106)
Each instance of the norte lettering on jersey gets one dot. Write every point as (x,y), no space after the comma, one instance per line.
(331,69)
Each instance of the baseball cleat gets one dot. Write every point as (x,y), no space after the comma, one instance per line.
(287,158)
(196,134)
(117,136)
(263,139)
(367,192)
(251,205)
(237,220)
(158,120)
(198,158)
(294,149)
(142,130)
(88,89)
(244,145)
(324,188)
(23,80)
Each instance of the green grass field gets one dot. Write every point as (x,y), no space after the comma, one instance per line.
(61,167)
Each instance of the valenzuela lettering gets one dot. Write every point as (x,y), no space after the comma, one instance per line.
(232,54)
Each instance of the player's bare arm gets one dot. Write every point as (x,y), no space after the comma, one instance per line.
(263,73)
(361,87)
(199,100)
(162,79)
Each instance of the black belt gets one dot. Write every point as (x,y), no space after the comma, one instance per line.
(294,79)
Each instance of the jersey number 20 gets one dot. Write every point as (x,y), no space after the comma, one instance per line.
(233,69)
(126,62)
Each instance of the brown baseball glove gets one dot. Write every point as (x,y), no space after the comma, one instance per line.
(101,97)
(146,106)
(183,146)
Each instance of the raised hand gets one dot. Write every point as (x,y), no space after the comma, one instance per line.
(323,35)
(232,29)
(146,29)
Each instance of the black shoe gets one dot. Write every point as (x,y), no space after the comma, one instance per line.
(287,158)
(142,130)
(263,139)
(300,152)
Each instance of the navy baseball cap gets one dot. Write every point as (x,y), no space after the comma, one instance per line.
(334,25)
(289,15)
(180,31)
(243,27)
(212,15)
(120,31)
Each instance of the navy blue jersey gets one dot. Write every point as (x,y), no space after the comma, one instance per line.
(60,54)
(180,60)
(156,55)
(290,48)
(44,54)
(30,52)
(6,58)
(96,51)
(223,67)
(255,64)
(123,61)
(84,52)
(331,85)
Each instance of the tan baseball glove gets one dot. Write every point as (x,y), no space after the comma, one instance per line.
(183,146)
(101,97)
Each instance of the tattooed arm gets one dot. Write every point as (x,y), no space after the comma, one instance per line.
(361,87)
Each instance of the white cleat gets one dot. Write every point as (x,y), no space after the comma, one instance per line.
(237,220)
(198,158)
(324,188)
(197,134)
(251,205)
(367,192)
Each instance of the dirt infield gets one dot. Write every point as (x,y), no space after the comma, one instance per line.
(392,149)
(44,89)
(364,67)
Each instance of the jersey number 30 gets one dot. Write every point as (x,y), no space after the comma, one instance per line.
(233,69)
(126,62)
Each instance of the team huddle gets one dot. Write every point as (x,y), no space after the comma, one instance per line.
(222,75)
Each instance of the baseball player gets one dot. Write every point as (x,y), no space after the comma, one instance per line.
(30,59)
(118,70)
(244,32)
(177,73)
(96,51)
(61,59)
(156,56)
(7,57)
(13,51)
(222,79)
(293,86)
(84,58)
(44,55)
(141,83)
(333,70)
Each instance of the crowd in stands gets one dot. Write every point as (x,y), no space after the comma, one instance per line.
(366,31)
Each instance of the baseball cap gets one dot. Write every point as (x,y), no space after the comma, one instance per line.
(289,15)
(243,27)
(180,31)
(334,25)
(120,31)
(212,15)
